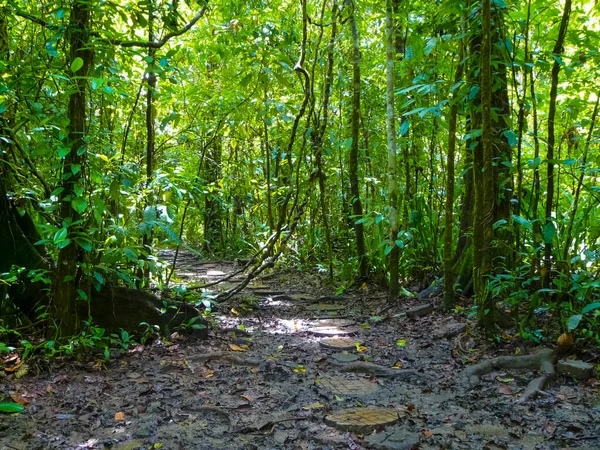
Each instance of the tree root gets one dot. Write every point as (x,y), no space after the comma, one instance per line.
(542,361)
(229,357)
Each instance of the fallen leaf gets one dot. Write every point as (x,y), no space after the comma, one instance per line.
(234,311)
(380,341)
(401,342)
(248,398)
(49,389)
(364,286)
(505,380)
(314,406)
(427,434)
(237,348)
(300,369)
(505,389)
(14,368)
(397,365)
(120,416)
(410,407)
(361,348)
(566,340)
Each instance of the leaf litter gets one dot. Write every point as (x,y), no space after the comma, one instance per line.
(220,393)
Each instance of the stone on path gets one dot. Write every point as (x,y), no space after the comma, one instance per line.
(354,387)
(577,369)
(452,330)
(333,331)
(344,357)
(362,420)
(421,310)
(394,438)
(325,307)
(343,343)
(215,273)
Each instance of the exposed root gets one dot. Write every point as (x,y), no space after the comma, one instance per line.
(534,388)
(237,331)
(380,371)
(229,357)
(542,361)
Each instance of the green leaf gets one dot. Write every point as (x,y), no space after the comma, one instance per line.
(404,127)
(60,235)
(522,221)
(573,321)
(79,204)
(76,64)
(590,307)
(84,243)
(430,45)
(11,408)
(533,163)
(63,151)
(131,255)
(549,232)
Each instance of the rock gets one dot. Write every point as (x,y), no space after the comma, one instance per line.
(394,438)
(343,343)
(362,420)
(577,369)
(333,331)
(345,357)
(421,310)
(452,330)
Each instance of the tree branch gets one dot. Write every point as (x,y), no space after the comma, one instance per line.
(165,39)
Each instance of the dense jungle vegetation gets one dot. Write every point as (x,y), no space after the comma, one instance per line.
(394,142)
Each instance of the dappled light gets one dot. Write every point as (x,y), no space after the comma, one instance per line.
(308,224)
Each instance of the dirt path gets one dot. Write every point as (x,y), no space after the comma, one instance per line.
(275,386)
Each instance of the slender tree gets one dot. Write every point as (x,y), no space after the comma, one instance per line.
(357,210)
(391,144)
(556,52)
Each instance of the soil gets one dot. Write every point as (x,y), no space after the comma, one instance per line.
(273,386)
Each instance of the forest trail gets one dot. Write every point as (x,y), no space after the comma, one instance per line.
(279,382)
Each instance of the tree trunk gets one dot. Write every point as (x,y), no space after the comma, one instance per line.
(357,211)
(391,144)
(212,205)
(485,192)
(557,51)
(66,282)
(449,217)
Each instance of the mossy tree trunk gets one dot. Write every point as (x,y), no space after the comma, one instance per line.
(394,255)
(357,210)
(66,282)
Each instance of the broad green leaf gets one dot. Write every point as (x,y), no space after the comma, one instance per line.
(430,45)
(131,255)
(11,408)
(522,221)
(76,64)
(60,235)
(84,243)
(533,163)
(79,204)
(573,321)
(549,232)
(590,307)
